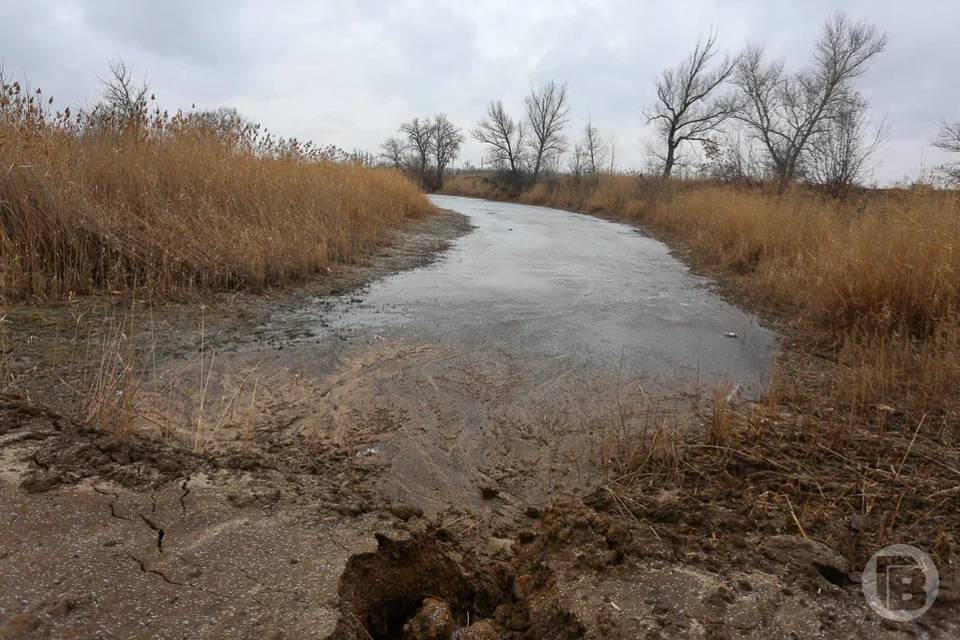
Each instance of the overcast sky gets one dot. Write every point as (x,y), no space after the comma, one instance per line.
(347,73)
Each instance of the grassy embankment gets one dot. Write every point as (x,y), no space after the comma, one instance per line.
(858,439)
(154,207)
(169,206)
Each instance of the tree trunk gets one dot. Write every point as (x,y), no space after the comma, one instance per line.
(669,161)
(785,177)
(783,182)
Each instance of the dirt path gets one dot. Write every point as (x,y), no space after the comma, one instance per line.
(411,458)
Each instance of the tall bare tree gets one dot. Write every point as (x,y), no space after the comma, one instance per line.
(124,98)
(688,108)
(447,139)
(785,111)
(393,152)
(577,162)
(420,142)
(547,113)
(594,148)
(839,155)
(948,139)
(505,140)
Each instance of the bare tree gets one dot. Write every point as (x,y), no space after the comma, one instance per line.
(948,139)
(124,98)
(505,139)
(447,139)
(734,157)
(224,123)
(393,152)
(840,154)
(420,142)
(547,113)
(577,162)
(785,111)
(595,150)
(687,108)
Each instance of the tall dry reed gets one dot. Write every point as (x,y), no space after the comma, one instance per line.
(168,204)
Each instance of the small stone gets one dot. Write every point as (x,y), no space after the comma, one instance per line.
(500,546)
(433,621)
(618,536)
(521,585)
(613,557)
(479,630)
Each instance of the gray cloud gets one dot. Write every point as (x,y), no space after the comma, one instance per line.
(348,72)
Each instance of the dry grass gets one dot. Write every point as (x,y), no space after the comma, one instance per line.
(847,482)
(168,205)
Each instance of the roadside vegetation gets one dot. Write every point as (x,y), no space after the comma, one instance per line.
(856,441)
(127,196)
(758,182)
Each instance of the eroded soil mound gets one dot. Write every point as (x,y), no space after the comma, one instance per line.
(417,587)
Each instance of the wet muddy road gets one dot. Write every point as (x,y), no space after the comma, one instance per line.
(532,351)
(546,284)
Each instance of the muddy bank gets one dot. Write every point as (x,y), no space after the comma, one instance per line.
(145,543)
(139,543)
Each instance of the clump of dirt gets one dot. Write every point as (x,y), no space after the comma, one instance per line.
(41,451)
(417,587)
(857,487)
(431,585)
(433,621)
(65,451)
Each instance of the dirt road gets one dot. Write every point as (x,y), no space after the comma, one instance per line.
(493,359)
(429,434)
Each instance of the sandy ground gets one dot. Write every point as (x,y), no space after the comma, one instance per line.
(359,479)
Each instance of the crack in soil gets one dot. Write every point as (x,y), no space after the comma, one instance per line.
(183,496)
(113,512)
(145,569)
(153,525)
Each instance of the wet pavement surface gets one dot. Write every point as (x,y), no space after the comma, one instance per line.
(548,284)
